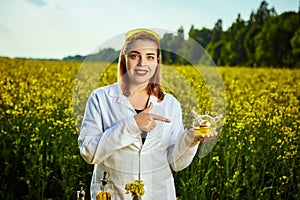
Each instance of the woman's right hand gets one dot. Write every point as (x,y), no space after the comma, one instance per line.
(146,120)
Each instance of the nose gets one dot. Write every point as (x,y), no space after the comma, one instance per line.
(142,61)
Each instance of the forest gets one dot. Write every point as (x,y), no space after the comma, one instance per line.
(266,39)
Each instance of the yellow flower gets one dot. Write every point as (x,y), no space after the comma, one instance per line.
(136,188)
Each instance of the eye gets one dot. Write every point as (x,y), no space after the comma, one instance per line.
(134,56)
(150,57)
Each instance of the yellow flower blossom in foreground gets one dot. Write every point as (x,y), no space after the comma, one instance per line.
(136,188)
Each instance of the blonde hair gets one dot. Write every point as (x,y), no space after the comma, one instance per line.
(153,87)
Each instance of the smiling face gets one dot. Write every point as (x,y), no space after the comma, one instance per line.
(139,64)
(141,61)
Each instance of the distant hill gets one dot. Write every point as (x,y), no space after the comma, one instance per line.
(104,55)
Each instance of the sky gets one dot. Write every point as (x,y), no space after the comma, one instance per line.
(60,28)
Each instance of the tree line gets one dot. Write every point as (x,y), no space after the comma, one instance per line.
(265,39)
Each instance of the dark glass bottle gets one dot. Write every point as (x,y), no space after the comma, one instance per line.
(81,192)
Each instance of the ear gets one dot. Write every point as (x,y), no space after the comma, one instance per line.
(123,59)
(122,65)
(159,56)
(158,59)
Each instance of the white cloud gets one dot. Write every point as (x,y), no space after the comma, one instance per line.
(53,4)
(45,3)
(4,29)
(37,2)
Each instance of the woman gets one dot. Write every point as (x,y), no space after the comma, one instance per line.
(133,129)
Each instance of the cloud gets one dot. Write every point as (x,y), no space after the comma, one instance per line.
(37,2)
(3,29)
(53,4)
(45,3)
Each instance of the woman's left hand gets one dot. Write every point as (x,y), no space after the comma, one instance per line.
(202,138)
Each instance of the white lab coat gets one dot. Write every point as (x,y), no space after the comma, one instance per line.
(111,140)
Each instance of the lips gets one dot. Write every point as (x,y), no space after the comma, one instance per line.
(140,72)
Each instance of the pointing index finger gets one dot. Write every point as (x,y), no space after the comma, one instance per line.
(160,118)
(148,108)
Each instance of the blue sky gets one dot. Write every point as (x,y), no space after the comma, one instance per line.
(59,28)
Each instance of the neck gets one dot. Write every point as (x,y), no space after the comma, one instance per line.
(138,97)
(138,89)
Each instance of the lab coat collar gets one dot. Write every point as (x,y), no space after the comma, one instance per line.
(115,91)
(153,100)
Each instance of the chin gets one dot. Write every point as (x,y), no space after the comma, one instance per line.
(141,80)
